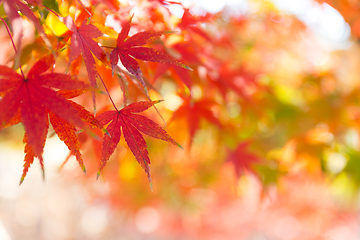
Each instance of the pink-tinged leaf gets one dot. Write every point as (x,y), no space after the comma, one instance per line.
(11,8)
(24,9)
(16,23)
(69,22)
(82,43)
(67,133)
(90,66)
(87,32)
(76,47)
(131,124)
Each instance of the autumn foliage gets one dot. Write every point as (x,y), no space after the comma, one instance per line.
(34,98)
(93,69)
(249,106)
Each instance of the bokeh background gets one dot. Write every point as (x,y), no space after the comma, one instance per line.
(275,153)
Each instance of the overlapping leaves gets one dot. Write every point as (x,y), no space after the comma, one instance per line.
(30,99)
(128,49)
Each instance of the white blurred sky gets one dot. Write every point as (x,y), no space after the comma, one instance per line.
(327,23)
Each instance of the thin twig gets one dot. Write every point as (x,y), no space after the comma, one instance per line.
(108,93)
(12,41)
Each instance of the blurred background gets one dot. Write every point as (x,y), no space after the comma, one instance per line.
(268,118)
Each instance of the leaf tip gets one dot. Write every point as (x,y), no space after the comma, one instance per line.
(187,67)
(147,170)
(105,131)
(177,144)
(83,168)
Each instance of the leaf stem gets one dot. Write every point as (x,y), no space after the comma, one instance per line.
(85,8)
(108,93)
(12,41)
(50,10)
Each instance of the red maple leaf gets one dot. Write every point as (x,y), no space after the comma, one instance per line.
(127,50)
(237,79)
(242,159)
(68,133)
(176,71)
(194,112)
(191,22)
(30,99)
(131,125)
(82,43)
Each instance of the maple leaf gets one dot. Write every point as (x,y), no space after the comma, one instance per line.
(194,112)
(29,159)
(242,159)
(12,9)
(127,50)
(68,133)
(190,22)
(131,124)
(238,80)
(31,98)
(82,43)
(182,74)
